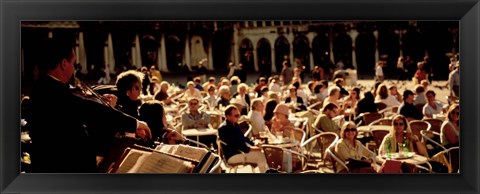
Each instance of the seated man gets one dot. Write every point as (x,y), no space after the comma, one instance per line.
(407,108)
(324,120)
(231,134)
(195,119)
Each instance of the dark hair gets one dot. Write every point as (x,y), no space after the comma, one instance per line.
(329,106)
(229,109)
(430,92)
(57,48)
(127,79)
(406,93)
(317,88)
(269,107)
(296,84)
(324,83)
(369,96)
(356,89)
(152,113)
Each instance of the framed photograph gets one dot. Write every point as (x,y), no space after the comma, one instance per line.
(306,28)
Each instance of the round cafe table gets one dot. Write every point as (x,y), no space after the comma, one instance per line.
(368,129)
(199,132)
(415,159)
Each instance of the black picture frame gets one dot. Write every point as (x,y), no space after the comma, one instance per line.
(467,12)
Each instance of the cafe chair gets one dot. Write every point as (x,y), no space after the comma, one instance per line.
(431,141)
(417,126)
(314,130)
(241,167)
(452,100)
(316,106)
(299,135)
(380,106)
(450,158)
(322,141)
(436,124)
(215,120)
(217,167)
(276,159)
(419,107)
(368,117)
(338,165)
(389,110)
(382,121)
(378,135)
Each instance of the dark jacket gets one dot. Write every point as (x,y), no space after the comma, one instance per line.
(232,135)
(62,119)
(301,106)
(409,110)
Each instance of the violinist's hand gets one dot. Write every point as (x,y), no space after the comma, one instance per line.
(143,131)
(112,99)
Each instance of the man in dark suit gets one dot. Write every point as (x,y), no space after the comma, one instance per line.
(230,133)
(62,119)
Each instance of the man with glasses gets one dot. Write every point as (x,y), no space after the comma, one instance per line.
(235,142)
(195,119)
(62,119)
(324,120)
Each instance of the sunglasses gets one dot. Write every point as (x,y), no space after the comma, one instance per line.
(398,124)
(193,103)
(350,129)
(236,116)
(456,113)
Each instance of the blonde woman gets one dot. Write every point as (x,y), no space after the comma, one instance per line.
(401,138)
(450,130)
(349,148)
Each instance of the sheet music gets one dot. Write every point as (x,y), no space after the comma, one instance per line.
(190,152)
(161,163)
(132,161)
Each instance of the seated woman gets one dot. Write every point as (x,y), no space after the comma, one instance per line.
(129,85)
(268,113)
(162,94)
(450,130)
(153,113)
(384,97)
(224,99)
(280,122)
(191,92)
(348,148)
(401,138)
(211,98)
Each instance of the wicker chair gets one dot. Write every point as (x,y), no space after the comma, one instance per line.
(436,124)
(378,135)
(368,117)
(417,126)
(275,159)
(323,140)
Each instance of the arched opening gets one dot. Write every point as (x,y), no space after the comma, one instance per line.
(220,49)
(149,48)
(282,48)
(342,49)
(174,49)
(365,53)
(320,49)
(264,53)
(246,54)
(301,51)
(388,49)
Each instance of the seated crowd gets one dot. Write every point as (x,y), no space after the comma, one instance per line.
(277,109)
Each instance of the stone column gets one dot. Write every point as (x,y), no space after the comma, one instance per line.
(331,38)
(353,35)
(210,55)
(272,58)
(163,55)
(377,56)
(255,61)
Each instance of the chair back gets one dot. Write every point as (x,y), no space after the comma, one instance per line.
(336,162)
(382,121)
(369,117)
(419,107)
(378,135)
(417,126)
(326,139)
(431,141)
(316,106)
(450,158)
(299,135)
(276,158)
(436,124)
(215,120)
(380,106)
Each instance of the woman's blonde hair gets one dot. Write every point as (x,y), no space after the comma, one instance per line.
(393,140)
(345,126)
(450,110)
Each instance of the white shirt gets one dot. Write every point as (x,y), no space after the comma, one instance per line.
(257,122)
(378,71)
(274,87)
(389,101)
(427,109)
(454,79)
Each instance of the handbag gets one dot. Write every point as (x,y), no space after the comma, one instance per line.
(352,164)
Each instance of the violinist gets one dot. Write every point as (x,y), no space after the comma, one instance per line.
(62,119)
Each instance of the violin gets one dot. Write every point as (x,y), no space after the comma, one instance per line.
(83,90)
